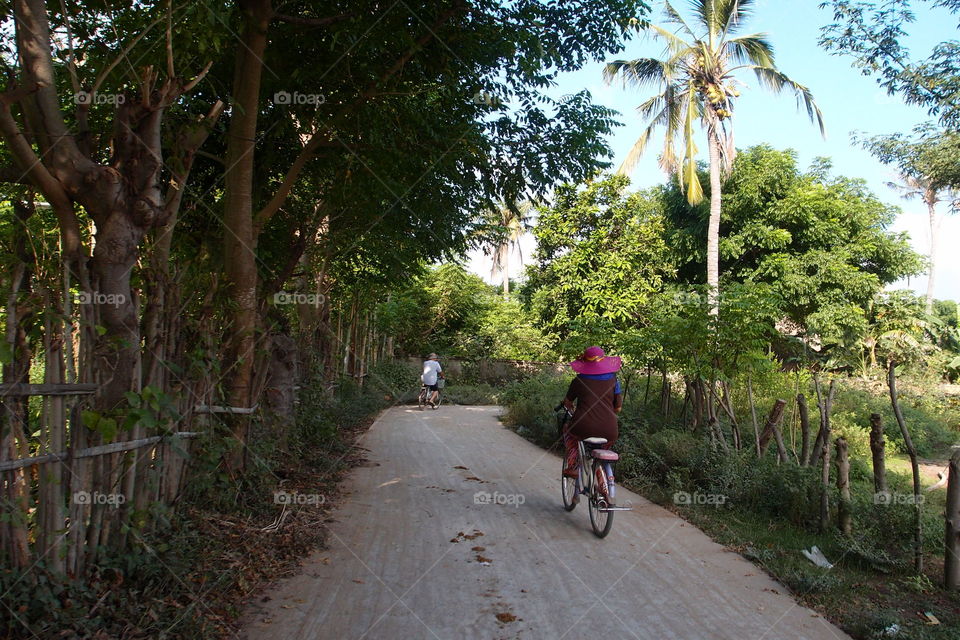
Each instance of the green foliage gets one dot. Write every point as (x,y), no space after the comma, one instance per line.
(601,261)
(874,37)
(454,313)
(928,161)
(821,243)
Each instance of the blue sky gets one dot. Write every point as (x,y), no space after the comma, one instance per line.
(849,102)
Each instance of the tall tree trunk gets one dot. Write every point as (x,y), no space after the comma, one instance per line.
(505,272)
(240,237)
(713,227)
(932,213)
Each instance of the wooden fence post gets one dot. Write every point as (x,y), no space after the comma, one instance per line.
(877,446)
(844,520)
(804,429)
(951,559)
(770,430)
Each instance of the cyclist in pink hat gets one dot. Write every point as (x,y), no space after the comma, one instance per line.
(598,399)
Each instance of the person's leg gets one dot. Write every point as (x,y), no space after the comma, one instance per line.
(608,468)
(570,442)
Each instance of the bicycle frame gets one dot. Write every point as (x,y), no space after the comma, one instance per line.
(585,477)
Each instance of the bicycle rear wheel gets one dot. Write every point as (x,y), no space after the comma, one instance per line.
(568,487)
(601,521)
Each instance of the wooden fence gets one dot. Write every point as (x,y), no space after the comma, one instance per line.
(65,498)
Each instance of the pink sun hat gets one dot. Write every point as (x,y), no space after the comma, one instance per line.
(594,361)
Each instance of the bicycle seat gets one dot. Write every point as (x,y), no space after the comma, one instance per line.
(605,454)
(595,441)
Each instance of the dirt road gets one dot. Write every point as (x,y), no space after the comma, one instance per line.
(455,530)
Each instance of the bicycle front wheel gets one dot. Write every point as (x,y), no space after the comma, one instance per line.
(601,521)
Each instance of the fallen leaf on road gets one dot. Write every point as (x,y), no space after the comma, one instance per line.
(478,549)
(358,581)
(483,559)
(506,617)
(460,466)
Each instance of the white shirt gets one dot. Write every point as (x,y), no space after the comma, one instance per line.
(430,370)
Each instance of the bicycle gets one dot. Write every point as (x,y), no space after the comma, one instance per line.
(594,482)
(425,395)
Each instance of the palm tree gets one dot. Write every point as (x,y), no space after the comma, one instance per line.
(697,81)
(912,186)
(500,234)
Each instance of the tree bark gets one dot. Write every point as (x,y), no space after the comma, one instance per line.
(877,445)
(240,237)
(912,452)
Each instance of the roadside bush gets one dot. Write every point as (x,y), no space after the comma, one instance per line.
(529,406)
(671,448)
(480,393)
(846,424)
(397,378)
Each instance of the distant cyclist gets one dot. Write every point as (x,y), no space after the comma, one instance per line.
(431,371)
(596,392)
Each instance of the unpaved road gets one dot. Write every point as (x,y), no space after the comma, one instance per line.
(403,557)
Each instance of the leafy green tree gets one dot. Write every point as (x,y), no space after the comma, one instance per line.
(820,242)
(929,167)
(454,312)
(601,262)
(697,83)
(874,35)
